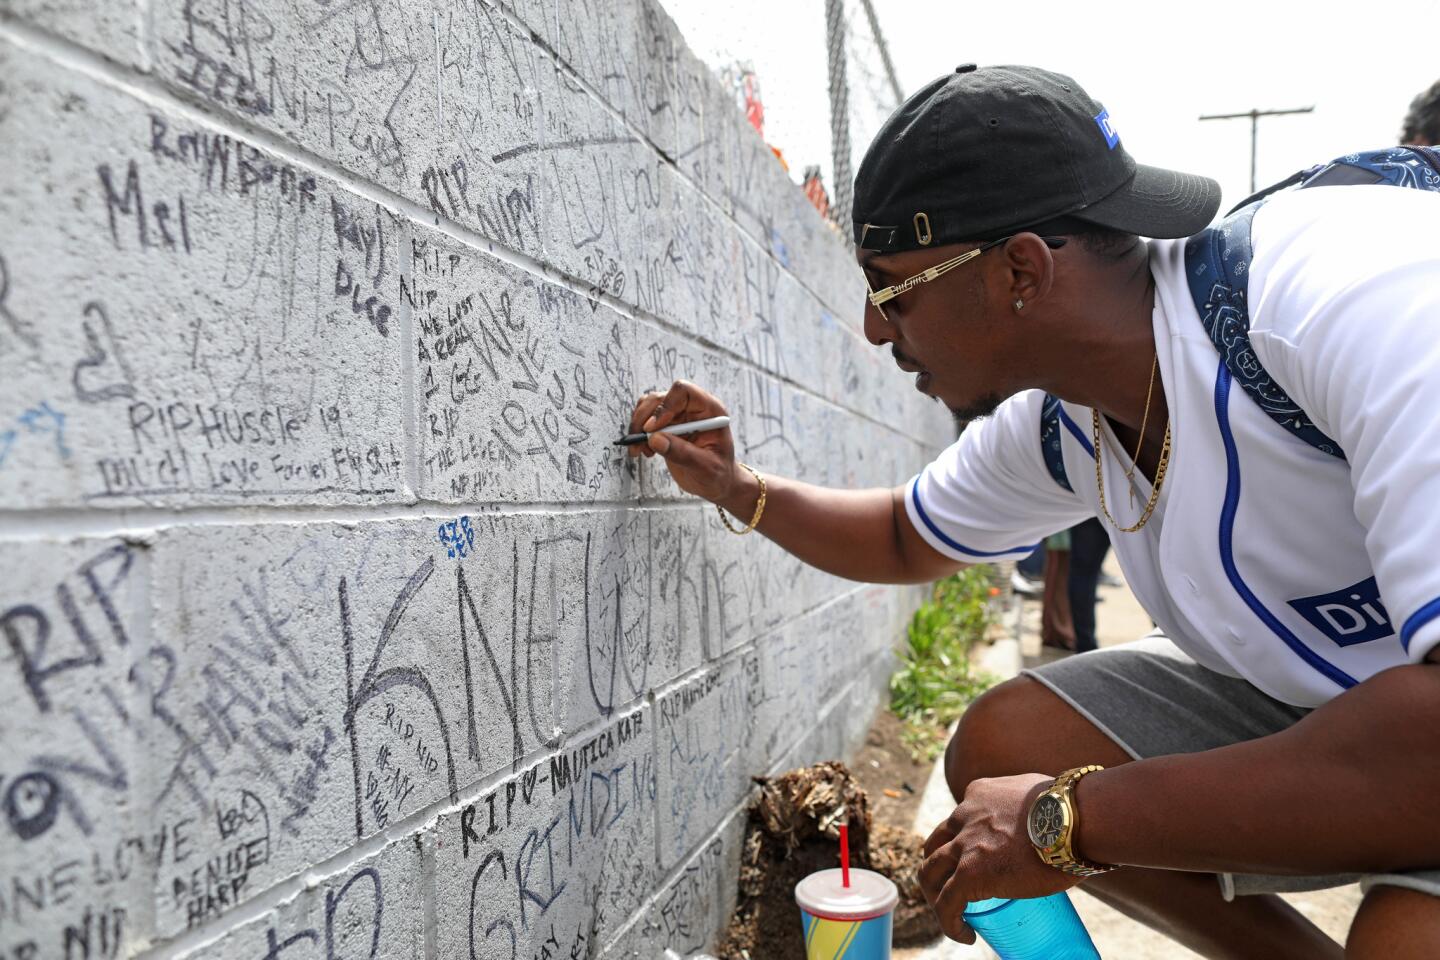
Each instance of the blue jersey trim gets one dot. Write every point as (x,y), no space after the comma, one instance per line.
(1075,430)
(1227,530)
(952,544)
(1417,620)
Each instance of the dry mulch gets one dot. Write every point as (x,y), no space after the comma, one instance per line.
(793,831)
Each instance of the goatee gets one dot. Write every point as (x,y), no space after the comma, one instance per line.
(976,411)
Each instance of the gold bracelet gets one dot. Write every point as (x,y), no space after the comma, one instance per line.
(759,506)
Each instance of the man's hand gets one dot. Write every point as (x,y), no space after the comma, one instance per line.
(701,463)
(983,850)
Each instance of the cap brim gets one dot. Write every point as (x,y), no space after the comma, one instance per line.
(1159,203)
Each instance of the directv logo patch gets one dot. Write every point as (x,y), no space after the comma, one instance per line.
(1348,616)
(1107,127)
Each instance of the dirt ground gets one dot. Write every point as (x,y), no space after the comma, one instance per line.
(885,771)
(793,832)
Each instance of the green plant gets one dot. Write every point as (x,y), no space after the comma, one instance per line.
(935,681)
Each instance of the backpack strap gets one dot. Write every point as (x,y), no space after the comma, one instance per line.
(1217,265)
(1050,433)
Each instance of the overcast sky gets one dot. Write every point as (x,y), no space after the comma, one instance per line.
(1155,66)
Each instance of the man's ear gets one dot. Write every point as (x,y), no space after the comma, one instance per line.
(1030,268)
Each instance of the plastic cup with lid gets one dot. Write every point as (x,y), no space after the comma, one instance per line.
(847,923)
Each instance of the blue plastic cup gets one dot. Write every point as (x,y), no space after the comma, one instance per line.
(1046,928)
(847,923)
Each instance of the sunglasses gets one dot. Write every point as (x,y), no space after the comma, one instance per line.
(886,294)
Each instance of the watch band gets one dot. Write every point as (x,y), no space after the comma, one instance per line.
(1065,859)
(1081,868)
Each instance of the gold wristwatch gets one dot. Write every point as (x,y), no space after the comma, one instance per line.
(1053,821)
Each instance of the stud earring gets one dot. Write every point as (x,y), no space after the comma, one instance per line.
(1019,305)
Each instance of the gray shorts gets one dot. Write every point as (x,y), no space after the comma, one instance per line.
(1153,700)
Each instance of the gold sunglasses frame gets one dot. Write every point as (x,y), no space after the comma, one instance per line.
(886,294)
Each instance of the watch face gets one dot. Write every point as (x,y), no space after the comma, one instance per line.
(1047,821)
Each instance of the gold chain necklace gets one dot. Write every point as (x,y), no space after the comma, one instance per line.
(1129,474)
(1144,422)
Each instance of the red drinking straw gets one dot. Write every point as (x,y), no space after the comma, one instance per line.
(845,854)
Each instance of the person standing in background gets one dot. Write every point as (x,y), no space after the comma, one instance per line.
(1089,543)
(1057,628)
(1065,573)
(1422,123)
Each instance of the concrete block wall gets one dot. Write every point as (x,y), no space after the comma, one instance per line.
(332,625)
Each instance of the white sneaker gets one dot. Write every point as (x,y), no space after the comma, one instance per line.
(1024,586)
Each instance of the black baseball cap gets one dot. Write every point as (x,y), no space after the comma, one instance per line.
(988,151)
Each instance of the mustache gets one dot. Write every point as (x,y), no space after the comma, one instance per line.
(903,358)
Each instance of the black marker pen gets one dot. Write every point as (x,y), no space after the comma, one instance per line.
(675,429)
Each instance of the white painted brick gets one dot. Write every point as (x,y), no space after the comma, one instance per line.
(765,320)
(110,28)
(369,909)
(840,631)
(521,384)
(869,694)
(709,738)
(353,83)
(640,567)
(840,730)
(811,343)
(818,254)
(751,587)
(557,857)
(659,44)
(886,615)
(763,405)
(401,95)
(687,274)
(234,371)
(689,913)
(624,49)
(608,192)
(790,665)
(845,718)
(445,663)
(479,164)
(677,590)
(821,742)
(693,83)
(77,850)
(754,175)
(720,119)
(532,14)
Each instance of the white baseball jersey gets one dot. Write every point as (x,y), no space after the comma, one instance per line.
(1265,558)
